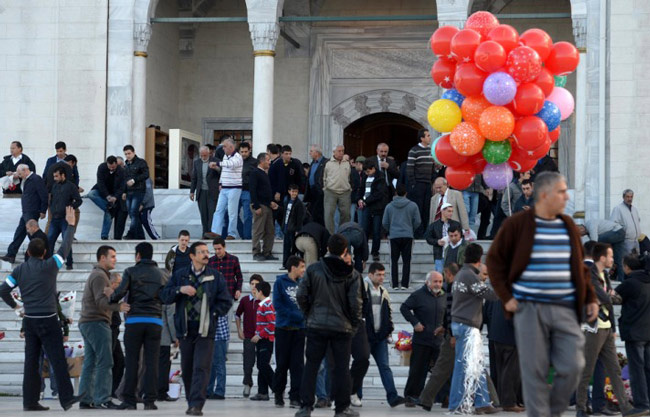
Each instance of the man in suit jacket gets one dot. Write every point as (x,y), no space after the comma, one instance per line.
(60,155)
(34,206)
(443,194)
(9,166)
(386,164)
(205,188)
(314,191)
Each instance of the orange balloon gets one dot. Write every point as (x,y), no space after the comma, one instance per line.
(496,123)
(466,139)
(472,108)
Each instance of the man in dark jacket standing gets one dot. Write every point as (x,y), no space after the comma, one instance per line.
(420,171)
(371,201)
(292,216)
(204,188)
(143,324)
(283,172)
(425,310)
(136,173)
(263,206)
(108,190)
(330,298)
(64,194)
(437,234)
(245,223)
(314,192)
(9,166)
(34,206)
(201,295)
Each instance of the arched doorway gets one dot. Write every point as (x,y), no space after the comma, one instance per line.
(362,136)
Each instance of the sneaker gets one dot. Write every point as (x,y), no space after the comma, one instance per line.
(108,405)
(86,406)
(355,401)
(348,412)
(635,412)
(271,258)
(304,412)
(167,398)
(247,391)
(260,397)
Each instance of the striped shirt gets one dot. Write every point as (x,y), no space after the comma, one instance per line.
(231,171)
(266,320)
(419,165)
(547,278)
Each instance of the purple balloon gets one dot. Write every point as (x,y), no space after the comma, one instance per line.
(499,88)
(497,176)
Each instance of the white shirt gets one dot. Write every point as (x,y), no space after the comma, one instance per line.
(16,159)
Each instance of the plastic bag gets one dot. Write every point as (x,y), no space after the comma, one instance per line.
(68,303)
(469,236)
(404,341)
(77,350)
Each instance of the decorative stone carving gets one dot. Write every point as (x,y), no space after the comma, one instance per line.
(360,105)
(580,32)
(409,104)
(264,35)
(263,23)
(385,101)
(339,117)
(141,36)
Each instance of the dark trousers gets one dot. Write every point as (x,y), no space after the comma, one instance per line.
(372,226)
(289,354)
(317,344)
(121,214)
(45,334)
(206,209)
(421,195)
(508,376)
(133,201)
(21,233)
(360,351)
(400,247)
(638,356)
(264,351)
(147,224)
(598,399)
(118,359)
(440,374)
(164,366)
(422,357)
(196,361)
(485,210)
(137,336)
(249,362)
(287,245)
(317,207)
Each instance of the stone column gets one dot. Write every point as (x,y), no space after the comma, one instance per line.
(264,28)
(579,21)
(141,37)
(452,12)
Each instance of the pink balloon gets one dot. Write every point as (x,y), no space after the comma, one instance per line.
(563,100)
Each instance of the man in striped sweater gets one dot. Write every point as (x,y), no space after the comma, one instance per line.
(420,172)
(536,269)
(263,339)
(230,186)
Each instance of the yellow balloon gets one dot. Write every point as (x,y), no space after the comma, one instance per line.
(444,115)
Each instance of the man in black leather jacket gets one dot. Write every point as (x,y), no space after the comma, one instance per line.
(330,297)
(143,324)
(136,172)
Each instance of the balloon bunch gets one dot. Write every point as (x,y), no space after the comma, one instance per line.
(504,102)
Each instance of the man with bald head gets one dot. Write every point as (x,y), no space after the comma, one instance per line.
(34,206)
(425,310)
(443,194)
(35,232)
(337,188)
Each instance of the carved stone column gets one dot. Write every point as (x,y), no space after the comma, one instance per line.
(141,37)
(579,22)
(264,28)
(452,12)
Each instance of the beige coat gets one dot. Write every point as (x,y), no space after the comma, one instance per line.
(336,176)
(455,198)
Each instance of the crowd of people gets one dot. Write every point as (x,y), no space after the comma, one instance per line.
(538,290)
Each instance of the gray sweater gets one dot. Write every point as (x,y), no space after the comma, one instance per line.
(401,218)
(36,279)
(469,292)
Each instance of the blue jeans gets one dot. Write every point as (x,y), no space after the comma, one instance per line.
(228,203)
(217,384)
(322,382)
(133,201)
(57,227)
(638,356)
(471,204)
(103,205)
(245,223)
(96,374)
(372,225)
(439,265)
(481,396)
(379,351)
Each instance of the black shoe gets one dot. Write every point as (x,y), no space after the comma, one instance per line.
(167,398)
(294,404)
(606,412)
(400,401)
(271,258)
(194,411)
(410,402)
(68,267)
(73,401)
(259,397)
(10,259)
(304,412)
(375,257)
(35,407)
(581,413)
(321,403)
(259,257)
(218,397)
(86,406)
(635,412)
(150,406)
(108,405)
(104,238)
(127,406)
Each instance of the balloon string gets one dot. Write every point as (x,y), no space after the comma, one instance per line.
(509,206)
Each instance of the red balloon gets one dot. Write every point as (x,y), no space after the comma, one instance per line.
(546,81)
(460,177)
(477,162)
(506,36)
(540,152)
(555,134)
(524,64)
(441,41)
(530,133)
(443,72)
(563,59)
(464,44)
(529,99)
(490,56)
(482,22)
(447,155)
(518,161)
(539,40)
(468,79)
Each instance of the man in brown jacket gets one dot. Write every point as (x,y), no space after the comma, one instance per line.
(536,269)
(94,325)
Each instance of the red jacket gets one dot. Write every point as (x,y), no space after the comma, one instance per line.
(266,320)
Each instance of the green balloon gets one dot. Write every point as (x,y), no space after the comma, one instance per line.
(433,149)
(560,80)
(497,152)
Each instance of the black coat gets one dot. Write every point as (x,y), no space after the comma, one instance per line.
(500,329)
(313,194)
(34,198)
(379,196)
(197,180)
(260,188)
(143,283)
(603,296)
(137,170)
(329,296)
(434,233)
(634,321)
(386,312)
(282,176)
(250,164)
(63,195)
(317,232)
(49,176)
(74,177)
(39,235)
(393,169)
(296,217)
(107,181)
(425,308)
(7,165)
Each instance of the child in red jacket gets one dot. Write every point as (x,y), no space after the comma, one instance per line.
(263,339)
